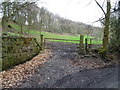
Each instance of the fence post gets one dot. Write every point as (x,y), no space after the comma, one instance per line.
(90,43)
(81,45)
(90,40)
(42,42)
(86,45)
(21,29)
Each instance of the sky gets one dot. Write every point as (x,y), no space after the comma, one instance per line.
(86,11)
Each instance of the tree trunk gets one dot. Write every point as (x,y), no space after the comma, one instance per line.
(4,18)
(4,24)
(106,29)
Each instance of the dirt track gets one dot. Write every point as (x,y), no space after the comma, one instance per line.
(61,72)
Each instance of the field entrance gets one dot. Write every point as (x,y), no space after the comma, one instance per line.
(62,44)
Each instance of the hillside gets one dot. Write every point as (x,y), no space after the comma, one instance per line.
(35,33)
(62,25)
(47,21)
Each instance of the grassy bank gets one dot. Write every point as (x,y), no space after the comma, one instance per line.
(36,34)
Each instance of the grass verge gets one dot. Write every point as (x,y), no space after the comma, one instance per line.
(36,34)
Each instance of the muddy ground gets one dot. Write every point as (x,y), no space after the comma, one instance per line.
(67,69)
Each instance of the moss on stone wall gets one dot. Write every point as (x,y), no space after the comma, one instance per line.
(16,50)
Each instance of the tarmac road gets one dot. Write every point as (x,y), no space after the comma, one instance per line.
(96,78)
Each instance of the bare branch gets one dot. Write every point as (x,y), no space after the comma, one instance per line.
(89,3)
(17,9)
(100,19)
(103,3)
(100,7)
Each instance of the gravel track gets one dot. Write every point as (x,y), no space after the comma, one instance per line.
(58,72)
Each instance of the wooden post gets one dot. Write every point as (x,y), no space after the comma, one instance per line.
(90,40)
(86,45)
(81,45)
(42,42)
(21,29)
(90,43)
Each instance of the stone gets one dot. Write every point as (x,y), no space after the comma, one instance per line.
(13,49)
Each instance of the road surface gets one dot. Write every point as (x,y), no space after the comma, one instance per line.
(58,72)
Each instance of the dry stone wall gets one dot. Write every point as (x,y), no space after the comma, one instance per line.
(16,50)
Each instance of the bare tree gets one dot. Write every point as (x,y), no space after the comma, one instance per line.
(9,10)
(106,26)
